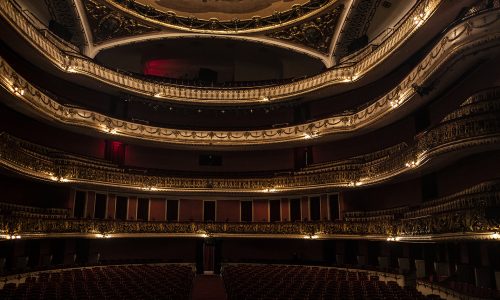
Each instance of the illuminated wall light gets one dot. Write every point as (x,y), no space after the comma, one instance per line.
(393,239)
(495,236)
(59,179)
(158,95)
(419,20)
(395,103)
(264,98)
(355,183)
(412,164)
(310,135)
(19,91)
(12,237)
(311,236)
(103,236)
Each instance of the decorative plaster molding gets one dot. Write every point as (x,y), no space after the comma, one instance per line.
(171,92)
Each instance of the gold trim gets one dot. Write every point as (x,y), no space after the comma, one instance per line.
(169,92)
(477,128)
(193,24)
(466,36)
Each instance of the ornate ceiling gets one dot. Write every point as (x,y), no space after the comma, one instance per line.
(322,29)
(222,9)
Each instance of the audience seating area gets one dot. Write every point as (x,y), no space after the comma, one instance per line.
(32,212)
(303,282)
(468,289)
(111,282)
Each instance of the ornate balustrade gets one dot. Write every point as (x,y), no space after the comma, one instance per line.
(477,32)
(485,194)
(26,211)
(475,129)
(375,215)
(78,64)
(469,221)
(472,217)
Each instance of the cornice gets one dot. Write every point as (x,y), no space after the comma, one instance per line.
(474,130)
(206,96)
(171,20)
(475,34)
(106,24)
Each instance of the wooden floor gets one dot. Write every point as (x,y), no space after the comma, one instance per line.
(208,287)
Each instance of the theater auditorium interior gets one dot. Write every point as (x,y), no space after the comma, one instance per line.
(250,149)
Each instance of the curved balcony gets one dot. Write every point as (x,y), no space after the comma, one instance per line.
(480,32)
(459,222)
(475,126)
(71,62)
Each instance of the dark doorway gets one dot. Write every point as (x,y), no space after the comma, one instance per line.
(333,202)
(80,200)
(100,206)
(315,208)
(246,211)
(121,207)
(295,213)
(275,210)
(209,211)
(143,209)
(173,210)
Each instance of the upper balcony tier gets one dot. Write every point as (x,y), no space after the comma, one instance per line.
(463,47)
(415,27)
(472,128)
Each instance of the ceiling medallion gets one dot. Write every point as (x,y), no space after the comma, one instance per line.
(107,24)
(256,23)
(316,34)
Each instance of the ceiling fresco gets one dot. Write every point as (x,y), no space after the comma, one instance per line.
(223,9)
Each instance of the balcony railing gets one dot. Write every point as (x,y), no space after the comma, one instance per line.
(477,32)
(71,63)
(473,128)
(481,219)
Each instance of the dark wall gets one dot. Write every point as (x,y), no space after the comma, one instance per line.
(33,193)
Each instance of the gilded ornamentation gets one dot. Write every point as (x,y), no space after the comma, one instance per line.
(238,96)
(474,220)
(215,25)
(471,131)
(356,25)
(107,24)
(316,34)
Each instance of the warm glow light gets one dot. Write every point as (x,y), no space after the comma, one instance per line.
(12,236)
(395,103)
(157,95)
(310,135)
(60,179)
(311,236)
(264,98)
(18,91)
(495,236)
(412,164)
(355,183)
